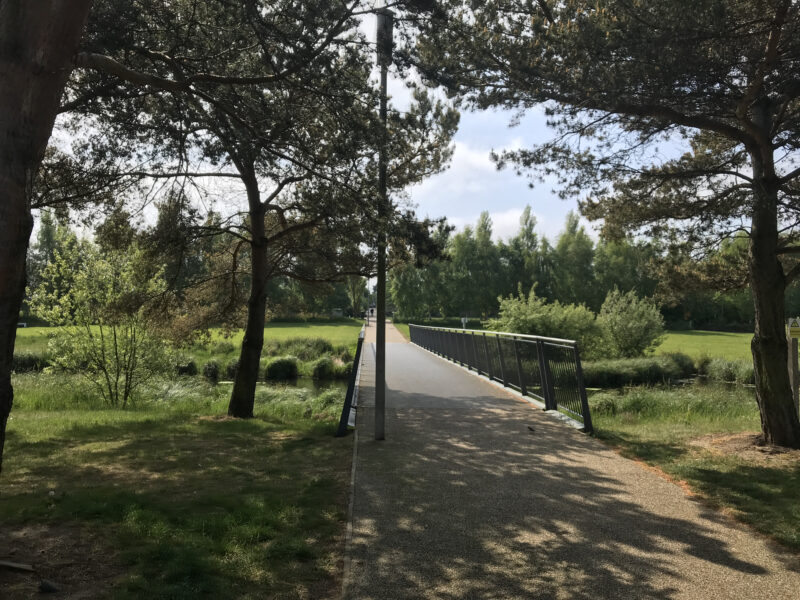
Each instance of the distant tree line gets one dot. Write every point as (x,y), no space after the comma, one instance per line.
(477,271)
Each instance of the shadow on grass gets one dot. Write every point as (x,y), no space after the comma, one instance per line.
(198,506)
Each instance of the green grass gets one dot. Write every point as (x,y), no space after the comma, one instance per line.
(716,344)
(226,348)
(189,503)
(659,426)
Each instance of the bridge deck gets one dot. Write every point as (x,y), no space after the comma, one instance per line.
(463,500)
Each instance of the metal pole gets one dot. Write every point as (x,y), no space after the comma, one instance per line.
(384,44)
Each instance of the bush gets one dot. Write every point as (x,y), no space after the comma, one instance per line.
(450,322)
(720,369)
(186,368)
(535,316)
(702,363)
(28,362)
(222,348)
(282,369)
(636,371)
(739,371)
(630,325)
(302,348)
(323,369)
(211,371)
(231,369)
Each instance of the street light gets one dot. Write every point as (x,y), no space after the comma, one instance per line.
(385,41)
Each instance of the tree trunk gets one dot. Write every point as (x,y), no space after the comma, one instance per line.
(244,385)
(37,42)
(779,420)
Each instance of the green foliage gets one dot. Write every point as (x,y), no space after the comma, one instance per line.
(636,371)
(25,362)
(211,371)
(536,316)
(223,348)
(231,368)
(284,368)
(302,348)
(739,371)
(99,302)
(186,368)
(631,325)
(326,368)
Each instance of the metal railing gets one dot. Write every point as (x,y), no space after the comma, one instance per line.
(546,369)
(341,431)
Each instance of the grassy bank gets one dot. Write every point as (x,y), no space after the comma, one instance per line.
(171,500)
(704,435)
(715,344)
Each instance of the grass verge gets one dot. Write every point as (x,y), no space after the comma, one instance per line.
(179,502)
(704,436)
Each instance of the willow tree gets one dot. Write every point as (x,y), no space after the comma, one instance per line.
(676,118)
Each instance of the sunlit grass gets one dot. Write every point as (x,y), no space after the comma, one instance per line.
(662,425)
(731,346)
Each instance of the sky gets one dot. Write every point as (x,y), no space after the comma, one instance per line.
(473,184)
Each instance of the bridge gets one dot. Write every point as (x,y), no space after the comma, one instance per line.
(477,493)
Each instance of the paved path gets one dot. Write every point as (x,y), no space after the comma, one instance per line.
(463,500)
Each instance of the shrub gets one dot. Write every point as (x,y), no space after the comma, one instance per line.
(222,348)
(535,316)
(282,369)
(27,362)
(323,368)
(745,372)
(720,369)
(302,348)
(186,368)
(636,371)
(630,325)
(211,371)
(701,364)
(231,369)
(603,404)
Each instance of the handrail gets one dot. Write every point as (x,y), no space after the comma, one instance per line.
(538,338)
(545,369)
(341,431)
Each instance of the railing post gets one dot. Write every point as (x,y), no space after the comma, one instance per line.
(502,364)
(488,360)
(519,370)
(547,392)
(587,415)
(341,431)
(475,353)
(547,375)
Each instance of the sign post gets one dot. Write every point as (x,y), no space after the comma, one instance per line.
(794,371)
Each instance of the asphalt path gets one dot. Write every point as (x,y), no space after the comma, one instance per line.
(477,494)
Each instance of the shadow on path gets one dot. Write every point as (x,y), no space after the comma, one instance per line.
(464,500)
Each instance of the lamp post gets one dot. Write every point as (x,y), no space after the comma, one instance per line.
(385,42)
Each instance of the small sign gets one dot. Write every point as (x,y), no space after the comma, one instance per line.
(794,327)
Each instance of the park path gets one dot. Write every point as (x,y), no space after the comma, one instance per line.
(477,494)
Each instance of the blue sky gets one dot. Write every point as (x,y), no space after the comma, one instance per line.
(473,184)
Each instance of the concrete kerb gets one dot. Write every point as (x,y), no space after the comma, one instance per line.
(553,413)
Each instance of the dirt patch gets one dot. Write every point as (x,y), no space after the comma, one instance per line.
(80,564)
(748,446)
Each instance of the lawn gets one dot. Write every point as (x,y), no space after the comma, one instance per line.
(171,499)
(731,346)
(339,333)
(704,436)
